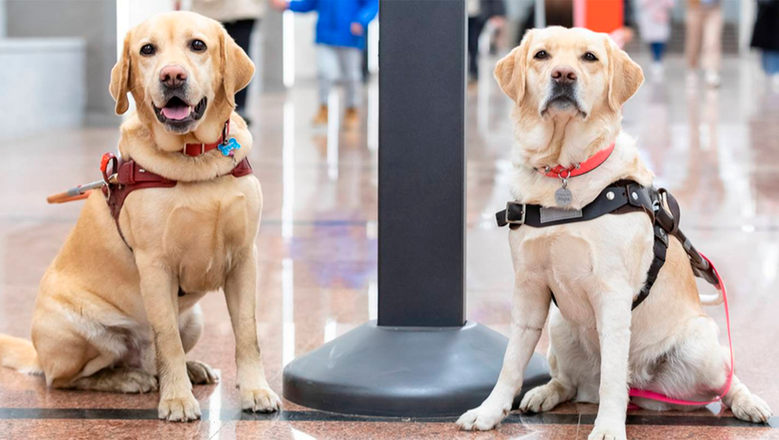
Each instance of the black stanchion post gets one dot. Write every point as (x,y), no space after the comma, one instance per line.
(421,359)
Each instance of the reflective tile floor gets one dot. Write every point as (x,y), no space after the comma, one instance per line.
(718,151)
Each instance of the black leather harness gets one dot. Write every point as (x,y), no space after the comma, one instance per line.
(619,198)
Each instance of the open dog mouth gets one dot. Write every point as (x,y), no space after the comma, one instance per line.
(177,112)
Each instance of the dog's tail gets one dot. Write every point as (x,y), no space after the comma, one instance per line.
(19,354)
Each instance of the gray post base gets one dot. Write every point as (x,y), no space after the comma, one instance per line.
(404,371)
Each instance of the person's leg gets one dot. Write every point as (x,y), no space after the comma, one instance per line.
(764,60)
(693,36)
(241,31)
(660,50)
(328,72)
(475,26)
(657,51)
(351,60)
(771,62)
(712,39)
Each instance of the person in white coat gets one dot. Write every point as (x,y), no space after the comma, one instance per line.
(655,25)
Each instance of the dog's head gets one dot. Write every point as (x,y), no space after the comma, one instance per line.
(573,72)
(181,68)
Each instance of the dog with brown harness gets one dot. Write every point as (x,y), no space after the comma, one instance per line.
(177,218)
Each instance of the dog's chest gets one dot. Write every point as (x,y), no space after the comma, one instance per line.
(200,229)
(582,262)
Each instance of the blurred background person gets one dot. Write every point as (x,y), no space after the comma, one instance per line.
(239,18)
(480,12)
(704,40)
(654,18)
(765,37)
(340,37)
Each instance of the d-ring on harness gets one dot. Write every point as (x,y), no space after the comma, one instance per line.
(663,210)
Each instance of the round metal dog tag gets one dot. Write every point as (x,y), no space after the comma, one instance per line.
(563,197)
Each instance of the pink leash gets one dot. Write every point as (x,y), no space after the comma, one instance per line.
(663,398)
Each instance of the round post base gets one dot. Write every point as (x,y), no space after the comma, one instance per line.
(404,371)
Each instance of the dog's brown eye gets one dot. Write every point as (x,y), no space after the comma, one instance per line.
(147,50)
(541,55)
(197,46)
(589,56)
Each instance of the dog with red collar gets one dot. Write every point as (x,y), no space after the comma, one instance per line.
(178,216)
(589,232)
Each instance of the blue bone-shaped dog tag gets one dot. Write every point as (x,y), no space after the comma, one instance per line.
(229,148)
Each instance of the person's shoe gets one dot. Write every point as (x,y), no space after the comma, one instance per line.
(352,119)
(321,116)
(712,79)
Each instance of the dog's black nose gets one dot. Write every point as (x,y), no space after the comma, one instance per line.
(563,75)
(173,76)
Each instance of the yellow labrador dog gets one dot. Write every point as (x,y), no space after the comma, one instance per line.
(117,309)
(569,86)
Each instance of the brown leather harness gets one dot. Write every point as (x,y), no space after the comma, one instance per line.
(123,177)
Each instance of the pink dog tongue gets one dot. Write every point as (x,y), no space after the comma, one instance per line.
(175,113)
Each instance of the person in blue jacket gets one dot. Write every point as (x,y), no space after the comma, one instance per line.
(340,38)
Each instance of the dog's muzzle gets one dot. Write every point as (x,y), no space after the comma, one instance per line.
(562,97)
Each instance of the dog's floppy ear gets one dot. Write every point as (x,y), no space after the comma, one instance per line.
(625,76)
(120,78)
(237,67)
(510,71)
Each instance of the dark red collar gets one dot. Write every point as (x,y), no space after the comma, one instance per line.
(198,149)
(580,168)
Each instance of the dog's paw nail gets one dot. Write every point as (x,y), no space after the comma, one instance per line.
(260,400)
(480,419)
(179,409)
(607,433)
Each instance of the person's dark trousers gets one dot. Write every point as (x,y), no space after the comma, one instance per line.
(241,31)
(475,26)
(657,50)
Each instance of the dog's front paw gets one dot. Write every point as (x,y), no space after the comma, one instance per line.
(608,432)
(482,418)
(179,409)
(200,373)
(260,400)
(751,408)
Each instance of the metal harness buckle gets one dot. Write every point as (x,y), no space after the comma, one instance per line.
(524,213)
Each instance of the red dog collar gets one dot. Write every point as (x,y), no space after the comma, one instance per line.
(585,167)
(198,149)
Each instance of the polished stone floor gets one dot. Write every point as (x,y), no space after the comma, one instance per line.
(716,150)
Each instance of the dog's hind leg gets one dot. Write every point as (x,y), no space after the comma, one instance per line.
(697,369)
(746,405)
(117,380)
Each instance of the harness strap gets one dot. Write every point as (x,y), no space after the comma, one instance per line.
(618,198)
(131,176)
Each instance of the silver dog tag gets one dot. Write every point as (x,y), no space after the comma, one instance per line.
(563,196)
